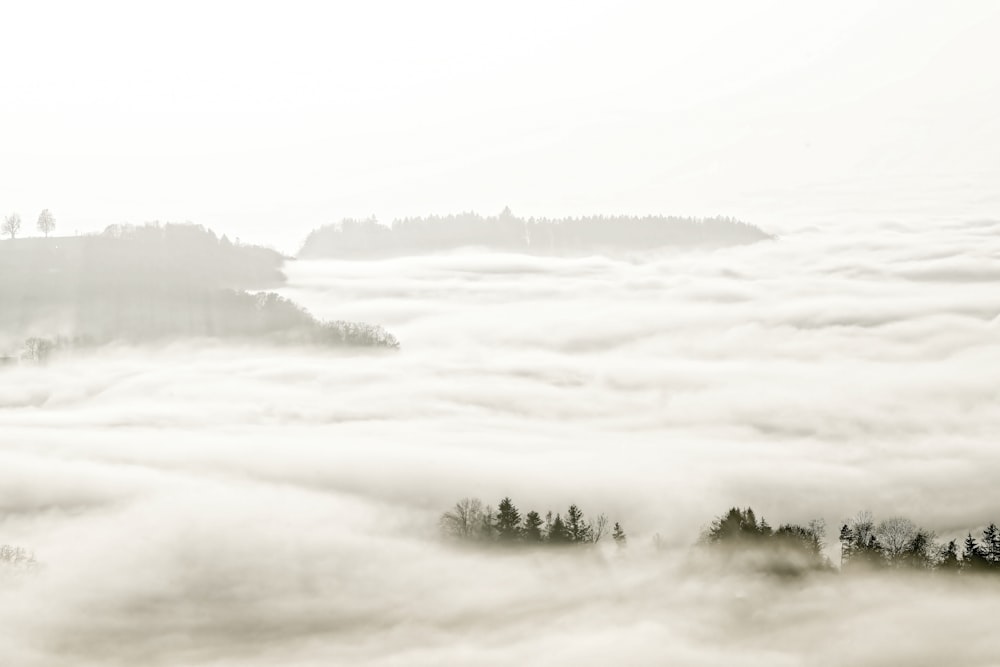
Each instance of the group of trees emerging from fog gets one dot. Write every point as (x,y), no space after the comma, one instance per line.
(506,232)
(896,543)
(152,282)
(472,521)
(11,225)
(892,544)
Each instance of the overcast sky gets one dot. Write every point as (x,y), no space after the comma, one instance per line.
(266,120)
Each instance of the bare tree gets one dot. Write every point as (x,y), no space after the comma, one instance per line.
(895,534)
(46,223)
(12,225)
(599,527)
(465,520)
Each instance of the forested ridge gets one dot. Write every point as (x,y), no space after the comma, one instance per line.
(540,236)
(152,282)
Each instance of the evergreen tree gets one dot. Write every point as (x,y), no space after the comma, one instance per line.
(919,551)
(507,522)
(991,545)
(532,527)
(972,556)
(577,527)
(949,558)
(619,535)
(846,544)
(557,533)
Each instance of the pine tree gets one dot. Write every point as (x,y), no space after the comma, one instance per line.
(991,545)
(949,558)
(846,544)
(532,527)
(508,521)
(576,526)
(557,533)
(972,556)
(619,535)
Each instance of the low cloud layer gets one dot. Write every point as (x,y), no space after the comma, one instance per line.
(216,505)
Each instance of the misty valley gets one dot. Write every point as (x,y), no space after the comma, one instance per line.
(217,454)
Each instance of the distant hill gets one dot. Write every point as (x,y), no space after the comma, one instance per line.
(508,233)
(153,282)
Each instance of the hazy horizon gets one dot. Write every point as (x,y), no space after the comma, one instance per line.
(265,123)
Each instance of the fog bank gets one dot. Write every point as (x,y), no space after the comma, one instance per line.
(216,505)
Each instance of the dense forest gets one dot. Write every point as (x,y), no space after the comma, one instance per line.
(508,233)
(148,283)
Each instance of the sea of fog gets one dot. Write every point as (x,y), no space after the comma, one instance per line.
(203,504)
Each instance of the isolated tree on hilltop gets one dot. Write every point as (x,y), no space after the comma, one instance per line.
(46,223)
(12,225)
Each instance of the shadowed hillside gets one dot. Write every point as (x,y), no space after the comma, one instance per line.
(150,283)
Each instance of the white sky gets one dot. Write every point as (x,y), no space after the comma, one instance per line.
(266,120)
